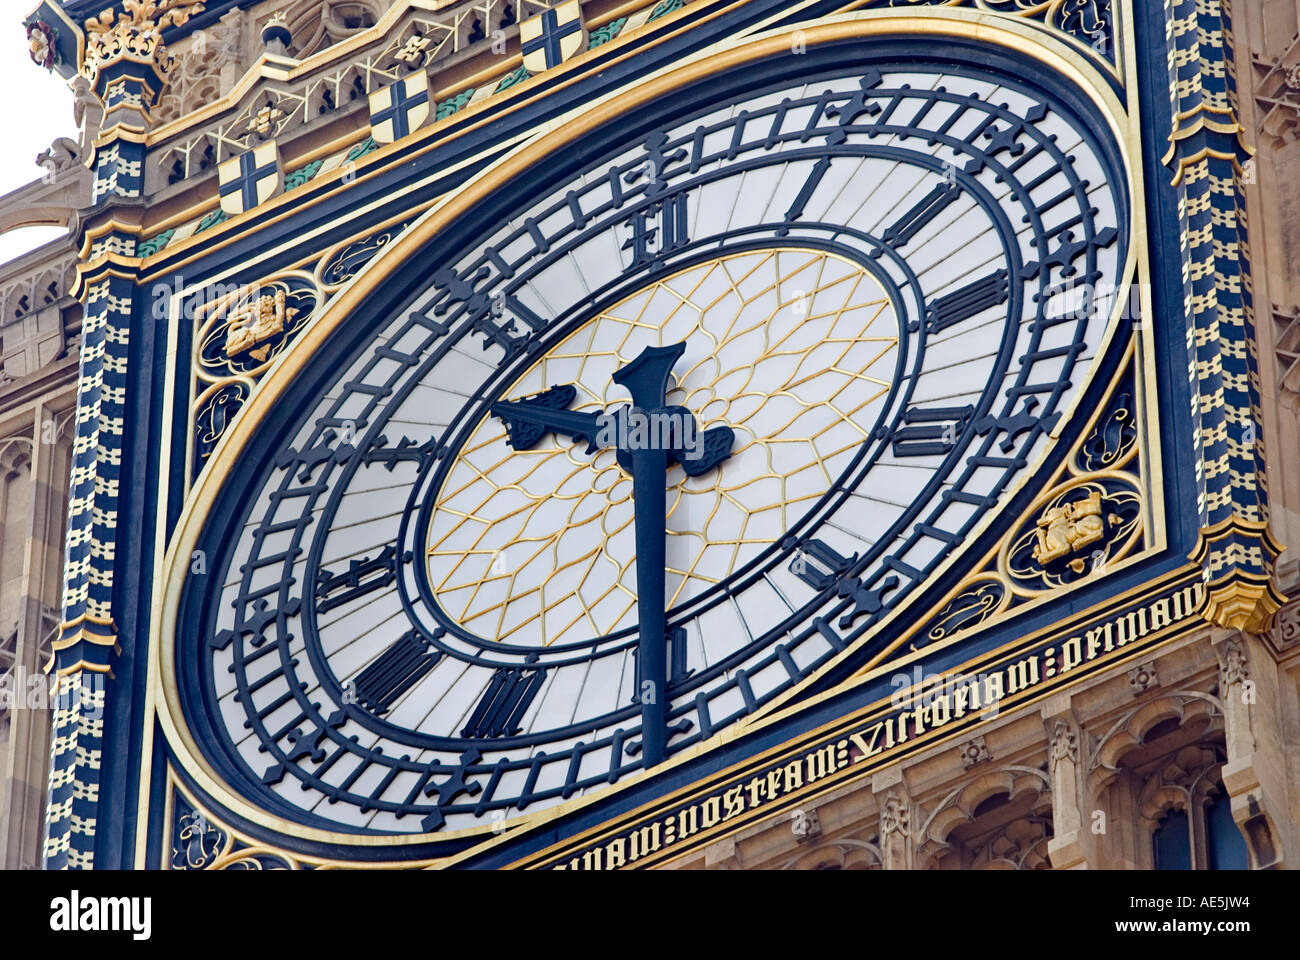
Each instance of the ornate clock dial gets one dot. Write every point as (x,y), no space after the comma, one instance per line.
(864,273)
(796,350)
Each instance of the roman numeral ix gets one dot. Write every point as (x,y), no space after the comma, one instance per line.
(361,577)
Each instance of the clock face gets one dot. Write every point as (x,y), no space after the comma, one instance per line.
(854,291)
(796,350)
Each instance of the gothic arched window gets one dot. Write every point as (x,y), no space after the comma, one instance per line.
(1194,828)
(1171,842)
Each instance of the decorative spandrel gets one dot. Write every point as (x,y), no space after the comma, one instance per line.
(239,336)
(1076,532)
(436,617)
(214,411)
(1089,22)
(242,330)
(343,263)
(198,842)
(1090,518)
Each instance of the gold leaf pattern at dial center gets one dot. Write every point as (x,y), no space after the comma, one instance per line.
(794,349)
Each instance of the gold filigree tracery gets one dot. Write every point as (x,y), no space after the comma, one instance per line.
(793,349)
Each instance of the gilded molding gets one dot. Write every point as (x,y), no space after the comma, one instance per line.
(1004,31)
(135,34)
(1235,598)
(286,364)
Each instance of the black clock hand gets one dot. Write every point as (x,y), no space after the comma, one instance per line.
(646,378)
(528,420)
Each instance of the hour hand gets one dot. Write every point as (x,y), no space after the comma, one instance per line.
(715,446)
(530,419)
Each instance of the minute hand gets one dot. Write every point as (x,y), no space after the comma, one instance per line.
(646,378)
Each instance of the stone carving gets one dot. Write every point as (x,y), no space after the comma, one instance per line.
(63,155)
(973,752)
(1142,678)
(1235,669)
(1065,744)
(893,817)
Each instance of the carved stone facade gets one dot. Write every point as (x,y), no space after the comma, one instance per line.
(35,448)
(1082,780)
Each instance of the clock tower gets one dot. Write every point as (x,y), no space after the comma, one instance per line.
(687,433)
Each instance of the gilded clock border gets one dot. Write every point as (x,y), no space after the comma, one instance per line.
(729,54)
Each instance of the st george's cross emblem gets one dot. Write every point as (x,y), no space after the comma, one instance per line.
(552,37)
(251,178)
(399,108)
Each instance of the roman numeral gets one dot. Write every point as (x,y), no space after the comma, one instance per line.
(394,672)
(657,230)
(509,309)
(830,564)
(930,206)
(525,313)
(930,432)
(677,670)
(805,194)
(362,577)
(509,694)
(496,333)
(967,302)
(406,450)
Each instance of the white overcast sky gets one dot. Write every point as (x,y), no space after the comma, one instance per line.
(36,107)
